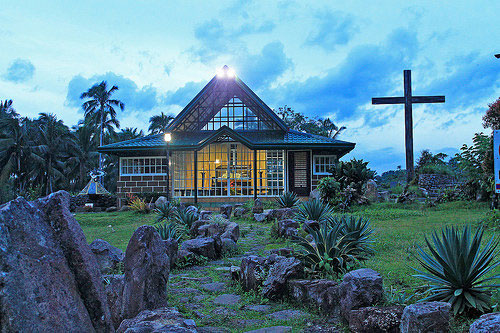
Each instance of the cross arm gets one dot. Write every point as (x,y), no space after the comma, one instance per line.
(427,99)
(388,100)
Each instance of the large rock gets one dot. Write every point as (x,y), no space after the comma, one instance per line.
(371,191)
(486,323)
(228,246)
(147,267)
(209,247)
(161,201)
(360,288)
(287,228)
(108,256)
(172,248)
(225,229)
(319,294)
(226,210)
(114,292)
(205,214)
(49,278)
(194,230)
(282,213)
(232,231)
(274,286)
(252,272)
(240,211)
(376,319)
(426,317)
(257,207)
(157,320)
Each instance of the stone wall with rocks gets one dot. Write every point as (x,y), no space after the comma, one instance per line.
(434,183)
(140,184)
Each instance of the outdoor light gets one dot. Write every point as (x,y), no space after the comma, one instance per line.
(168,137)
(226,72)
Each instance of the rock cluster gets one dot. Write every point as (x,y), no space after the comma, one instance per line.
(109,257)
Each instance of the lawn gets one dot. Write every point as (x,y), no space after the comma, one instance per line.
(399,230)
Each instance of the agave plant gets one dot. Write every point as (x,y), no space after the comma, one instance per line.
(457,270)
(358,231)
(138,205)
(168,231)
(314,210)
(288,200)
(165,211)
(185,217)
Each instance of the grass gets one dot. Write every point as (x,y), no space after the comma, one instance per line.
(400,229)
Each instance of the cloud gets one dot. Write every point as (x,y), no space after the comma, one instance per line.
(184,94)
(135,98)
(367,71)
(20,70)
(259,70)
(331,30)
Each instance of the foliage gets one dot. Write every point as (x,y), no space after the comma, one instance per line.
(492,220)
(185,217)
(388,178)
(168,231)
(358,232)
(457,270)
(138,205)
(393,296)
(159,123)
(314,210)
(287,200)
(492,117)
(300,122)
(165,211)
(333,248)
(475,163)
(329,189)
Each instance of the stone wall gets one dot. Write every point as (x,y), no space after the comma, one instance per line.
(435,182)
(139,184)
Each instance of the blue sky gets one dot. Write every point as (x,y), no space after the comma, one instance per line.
(321,58)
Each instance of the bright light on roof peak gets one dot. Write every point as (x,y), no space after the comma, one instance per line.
(226,72)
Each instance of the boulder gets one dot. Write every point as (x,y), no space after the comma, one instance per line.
(274,286)
(257,207)
(260,217)
(226,210)
(282,213)
(114,292)
(376,319)
(232,231)
(147,267)
(426,317)
(172,248)
(360,288)
(205,214)
(285,225)
(161,201)
(158,320)
(370,191)
(205,246)
(486,323)
(193,231)
(108,256)
(111,209)
(252,272)
(209,230)
(124,208)
(50,279)
(240,211)
(228,246)
(320,294)
(184,258)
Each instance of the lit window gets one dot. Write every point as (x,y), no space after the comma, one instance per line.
(323,163)
(143,166)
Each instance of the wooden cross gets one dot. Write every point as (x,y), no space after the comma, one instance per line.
(408,100)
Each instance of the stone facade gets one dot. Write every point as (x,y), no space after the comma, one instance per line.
(434,183)
(139,184)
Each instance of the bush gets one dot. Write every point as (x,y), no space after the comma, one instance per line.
(185,217)
(138,205)
(456,269)
(336,246)
(165,211)
(287,200)
(169,231)
(314,210)
(329,189)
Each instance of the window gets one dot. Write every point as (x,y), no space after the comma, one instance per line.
(236,115)
(323,163)
(270,172)
(143,166)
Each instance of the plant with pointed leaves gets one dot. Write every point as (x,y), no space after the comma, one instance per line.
(314,210)
(165,211)
(288,200)
(457,270)
(185,217)
(169,231)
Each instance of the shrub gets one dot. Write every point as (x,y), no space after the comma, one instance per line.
(314,210)
(185,217)
(358,232)
(165,211)
(456,269)
(138,205)
(168,231)
(329,189)
(287,200)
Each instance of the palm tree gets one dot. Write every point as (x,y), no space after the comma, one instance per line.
(100,110)
(6,109)
(54,141)
(332,130)
(158,124)
(128,133)
(85,157)
(15,148)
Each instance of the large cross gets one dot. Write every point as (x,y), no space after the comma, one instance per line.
(408,100)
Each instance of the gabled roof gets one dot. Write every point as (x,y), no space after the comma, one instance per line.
(214,96)
(290,139)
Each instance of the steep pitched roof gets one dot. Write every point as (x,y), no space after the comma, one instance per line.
(214,96)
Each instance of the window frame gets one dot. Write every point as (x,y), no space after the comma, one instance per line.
(324,173)
(143,158)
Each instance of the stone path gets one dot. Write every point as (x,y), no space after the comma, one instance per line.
(217,304)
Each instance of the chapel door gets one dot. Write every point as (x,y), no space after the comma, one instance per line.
(299,172)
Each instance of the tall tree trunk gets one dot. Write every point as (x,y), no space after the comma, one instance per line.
(101,140)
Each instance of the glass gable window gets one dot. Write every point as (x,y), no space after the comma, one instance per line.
(237,116)
(143,166)
(323,163)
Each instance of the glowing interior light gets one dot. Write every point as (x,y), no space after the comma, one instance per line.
(217,161)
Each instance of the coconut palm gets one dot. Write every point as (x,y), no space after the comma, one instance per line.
(159,123)
(331,130)
(6,109)
(84,158)
(100,110)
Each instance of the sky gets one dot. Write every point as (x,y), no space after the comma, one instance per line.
(324,59)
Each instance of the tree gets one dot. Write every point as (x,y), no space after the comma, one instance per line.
(84,158)
(100,110)
(492,117)
(159,123)
(299,122)
(6,109)
(331,130)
